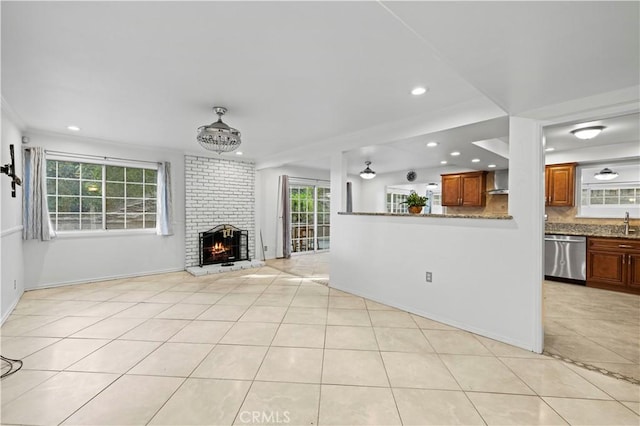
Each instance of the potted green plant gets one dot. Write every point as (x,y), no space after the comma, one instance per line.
(415,203)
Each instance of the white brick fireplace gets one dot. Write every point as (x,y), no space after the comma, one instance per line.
(218,191)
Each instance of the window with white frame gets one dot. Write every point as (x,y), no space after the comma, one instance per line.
(92,196)
(396,202)
(436,203)
(609,198)
(397,197)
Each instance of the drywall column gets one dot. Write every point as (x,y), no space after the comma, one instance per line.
(338,184)
(338,197)
(526,205)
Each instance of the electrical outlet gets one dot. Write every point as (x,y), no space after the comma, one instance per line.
(14,285)
(266,248)
(429,277)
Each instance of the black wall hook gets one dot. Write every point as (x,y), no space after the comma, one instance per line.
(10,170)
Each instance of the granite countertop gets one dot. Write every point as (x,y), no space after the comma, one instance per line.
(579,229)
(440,216)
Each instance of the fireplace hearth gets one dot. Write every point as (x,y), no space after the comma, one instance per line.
(224,244)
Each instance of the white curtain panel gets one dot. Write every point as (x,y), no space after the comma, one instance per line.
(35,220)
(165,203)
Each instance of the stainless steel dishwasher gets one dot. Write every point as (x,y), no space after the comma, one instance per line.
(565,257)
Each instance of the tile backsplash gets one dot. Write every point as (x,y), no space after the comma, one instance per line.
(568,215)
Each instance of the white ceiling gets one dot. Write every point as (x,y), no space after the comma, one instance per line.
(294,74)
(618,130)
(413,153)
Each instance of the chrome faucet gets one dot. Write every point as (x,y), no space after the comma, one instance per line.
(626,223)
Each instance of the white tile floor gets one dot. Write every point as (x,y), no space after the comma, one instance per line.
(263,346)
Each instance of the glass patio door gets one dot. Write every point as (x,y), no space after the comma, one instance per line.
(310,218)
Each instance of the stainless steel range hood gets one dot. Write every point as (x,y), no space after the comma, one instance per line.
(500,182)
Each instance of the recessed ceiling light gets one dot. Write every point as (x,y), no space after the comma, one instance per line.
(455,153)
(475,160)
(587,132)
(443,162)
(491,166)
(417,91)
(73,128)
(238,152)
(549,149)
(432,144)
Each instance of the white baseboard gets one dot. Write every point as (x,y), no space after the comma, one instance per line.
(105,278)
(446,321)
(11,308)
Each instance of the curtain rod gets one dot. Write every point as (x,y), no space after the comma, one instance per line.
(97,157)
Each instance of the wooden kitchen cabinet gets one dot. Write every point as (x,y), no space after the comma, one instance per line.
(464,189)
(613,264)
(560,184)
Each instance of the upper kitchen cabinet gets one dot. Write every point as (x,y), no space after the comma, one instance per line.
(560,185)
(464,189)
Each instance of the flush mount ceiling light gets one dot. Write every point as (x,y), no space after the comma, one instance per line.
(492,166)
(432,185)
(587,132)
(417,91)
(475,160)
(443,162)
(432,144)
(549,149)
(606,174)
(455,153)
(218,136)
(367,173)
(73,128)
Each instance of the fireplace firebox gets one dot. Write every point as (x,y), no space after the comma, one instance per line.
(223,244)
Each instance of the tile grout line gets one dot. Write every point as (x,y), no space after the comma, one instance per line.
(522,380)
(268,347)
(454,377)
(324,348)
(384,365)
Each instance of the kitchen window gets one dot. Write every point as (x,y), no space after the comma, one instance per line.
(396,202)
(86,196)
(609,199)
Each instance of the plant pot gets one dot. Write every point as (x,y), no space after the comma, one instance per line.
(415,209)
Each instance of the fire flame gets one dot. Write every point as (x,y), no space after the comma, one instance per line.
(218,248)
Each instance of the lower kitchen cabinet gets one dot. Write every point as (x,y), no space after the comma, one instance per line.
(613,264)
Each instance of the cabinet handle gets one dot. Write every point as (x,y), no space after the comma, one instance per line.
(624,246)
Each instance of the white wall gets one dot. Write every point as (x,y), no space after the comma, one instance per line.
(82,258)
(11,265)
(487,274)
